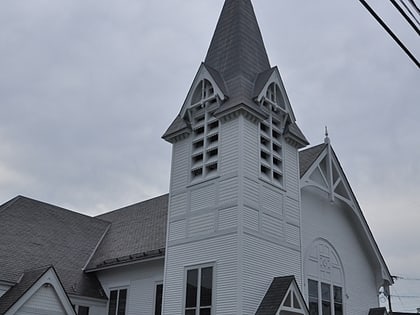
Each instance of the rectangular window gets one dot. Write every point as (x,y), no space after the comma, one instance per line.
(326,298)
(338,301)
(158,299)
(313,297)
(117,302)
(83,310)
(199,291)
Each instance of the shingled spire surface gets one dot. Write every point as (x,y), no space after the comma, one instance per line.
(237,49)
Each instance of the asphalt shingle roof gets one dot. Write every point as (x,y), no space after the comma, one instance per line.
(29,278)
(137,232)
(275,295)
(308,156)
(36,234)
(237,49)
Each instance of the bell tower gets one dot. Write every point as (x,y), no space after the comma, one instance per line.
(234,207)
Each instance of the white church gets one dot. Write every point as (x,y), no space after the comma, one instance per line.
(256,222)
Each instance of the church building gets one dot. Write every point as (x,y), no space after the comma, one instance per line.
(256,221)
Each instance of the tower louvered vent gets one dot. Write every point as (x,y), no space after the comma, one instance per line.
(205,151)
(271,130)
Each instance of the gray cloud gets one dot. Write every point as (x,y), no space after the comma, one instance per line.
(88,87)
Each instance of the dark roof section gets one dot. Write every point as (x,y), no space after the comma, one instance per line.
(308,156)
(36,234)
(8,299)
(137,232)
(275,295)
(237,49)
(378,311)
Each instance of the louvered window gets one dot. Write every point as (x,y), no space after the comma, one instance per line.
(205,143)
(271,141)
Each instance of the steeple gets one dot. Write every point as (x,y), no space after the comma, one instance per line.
(237,50)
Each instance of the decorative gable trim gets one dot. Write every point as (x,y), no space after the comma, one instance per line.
(205,73)
(326,174)
(283,295)
(272,76)
(48,278)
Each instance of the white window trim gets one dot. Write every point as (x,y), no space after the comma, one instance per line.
(213,296)
(127,287)
(154,295)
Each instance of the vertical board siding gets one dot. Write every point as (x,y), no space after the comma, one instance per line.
(292,171)
(277,261)
(227,218)
(223,253)
(180,164)
(201,224)
(45,301)
(203,197)
(229,146)
(178,204)
(177,230)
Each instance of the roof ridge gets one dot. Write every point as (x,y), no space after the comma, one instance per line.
(128,206)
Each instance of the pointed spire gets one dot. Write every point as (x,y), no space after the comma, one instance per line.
(237,49)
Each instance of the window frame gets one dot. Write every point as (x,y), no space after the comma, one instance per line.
(118,289)
(320,297)
(155,295)
(198,306)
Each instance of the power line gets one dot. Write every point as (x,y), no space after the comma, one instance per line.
(414,5)
(389,31)
(402,12)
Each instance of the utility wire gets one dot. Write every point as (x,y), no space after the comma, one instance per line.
(414,5)
(411,12)
(402,12)
(395,38)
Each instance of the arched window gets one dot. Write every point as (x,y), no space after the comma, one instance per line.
(271,141)
(324,280)
(205,127)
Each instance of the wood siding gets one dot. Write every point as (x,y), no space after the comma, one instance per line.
(45,301)
(333,223)
(139,279)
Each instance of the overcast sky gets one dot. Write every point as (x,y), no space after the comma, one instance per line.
(88,87)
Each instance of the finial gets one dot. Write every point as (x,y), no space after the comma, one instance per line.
(327,139)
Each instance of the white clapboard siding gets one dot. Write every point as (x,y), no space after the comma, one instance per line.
(181,156)
(44,301)
(229,147)
(220,251)
(262,262)
(291,170)
(140,280)
(322,219)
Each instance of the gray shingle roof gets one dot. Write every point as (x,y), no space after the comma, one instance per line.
(237,49)
(35,234)
(137,232)
(275,295)
(308,156)
(29,278)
